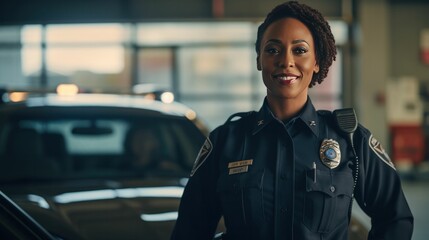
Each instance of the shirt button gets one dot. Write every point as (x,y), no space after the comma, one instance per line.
(332,188)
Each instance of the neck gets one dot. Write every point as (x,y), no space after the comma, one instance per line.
(285,109)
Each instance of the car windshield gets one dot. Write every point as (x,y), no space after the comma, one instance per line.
(48,143)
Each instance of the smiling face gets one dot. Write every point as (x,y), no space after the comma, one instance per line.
(287,60)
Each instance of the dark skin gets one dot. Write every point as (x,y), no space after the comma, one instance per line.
(287,61)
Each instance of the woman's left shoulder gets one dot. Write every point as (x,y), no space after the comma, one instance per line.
(363,131)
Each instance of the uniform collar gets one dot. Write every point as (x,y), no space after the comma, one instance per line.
(308,116)
(263,117)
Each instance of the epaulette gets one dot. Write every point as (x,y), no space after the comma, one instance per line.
(324,112)
(237,116)
(327,115)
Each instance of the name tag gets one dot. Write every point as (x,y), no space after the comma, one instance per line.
(238,170)
(240,163)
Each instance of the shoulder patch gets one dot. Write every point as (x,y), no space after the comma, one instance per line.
(376,147)
(203,154)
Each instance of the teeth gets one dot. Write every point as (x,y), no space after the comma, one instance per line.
(287,78)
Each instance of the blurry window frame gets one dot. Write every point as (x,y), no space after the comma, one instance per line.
(135,39)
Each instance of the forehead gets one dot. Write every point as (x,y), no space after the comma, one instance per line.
(289,28)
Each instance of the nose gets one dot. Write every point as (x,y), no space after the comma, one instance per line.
(286,60)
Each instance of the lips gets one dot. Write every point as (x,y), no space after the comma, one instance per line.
(286,79)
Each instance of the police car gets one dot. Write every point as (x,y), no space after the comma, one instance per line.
(97,166)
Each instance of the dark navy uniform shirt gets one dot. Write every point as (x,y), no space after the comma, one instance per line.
(267,179)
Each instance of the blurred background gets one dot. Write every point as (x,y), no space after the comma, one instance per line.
(203,52)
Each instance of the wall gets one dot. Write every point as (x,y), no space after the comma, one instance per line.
(84,11)
(406,22)
(389,48)
(373,74)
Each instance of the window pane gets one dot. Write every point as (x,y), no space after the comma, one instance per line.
(91,59)
(31,34)
(87,33)
(31,60)
(10,57)
(221,70)
(186,33)
(328,94)
(31,54)
(340,31)
(216,112)
(10,34)
(10,69)
(155,66)
(93,68)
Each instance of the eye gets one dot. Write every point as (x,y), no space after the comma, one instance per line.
(300,50)
(271,50)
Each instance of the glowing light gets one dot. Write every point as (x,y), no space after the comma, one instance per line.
(38,200)
(149,96)
(85,196)
(159,217)
(17,96)
(191,115)
(170,192)
(67,90)
(155,192)
(167,97)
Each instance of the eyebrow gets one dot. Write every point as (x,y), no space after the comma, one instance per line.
(293,42)
(299,41)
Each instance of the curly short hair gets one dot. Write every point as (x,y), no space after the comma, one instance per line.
(324,40)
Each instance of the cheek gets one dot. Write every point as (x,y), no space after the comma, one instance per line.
(309,66)
(265,68)
(266,77)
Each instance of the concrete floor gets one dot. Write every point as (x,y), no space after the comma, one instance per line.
(417,194)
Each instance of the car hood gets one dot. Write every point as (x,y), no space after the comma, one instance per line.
(102,209)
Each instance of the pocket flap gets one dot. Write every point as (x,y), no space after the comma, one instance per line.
(333,185)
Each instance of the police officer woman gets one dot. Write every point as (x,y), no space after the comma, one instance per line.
(289,171)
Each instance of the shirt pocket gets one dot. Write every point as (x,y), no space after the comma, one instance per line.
(327,200)
(241,198)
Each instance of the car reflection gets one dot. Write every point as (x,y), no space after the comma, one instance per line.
(160,217)
(40,201)
(105,194)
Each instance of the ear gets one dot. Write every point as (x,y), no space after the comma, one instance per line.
(316,68)
(258,64)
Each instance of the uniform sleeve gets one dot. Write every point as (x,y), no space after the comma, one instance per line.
(199,210)
(379,192)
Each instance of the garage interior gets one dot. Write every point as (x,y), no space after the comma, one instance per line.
(203,52)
